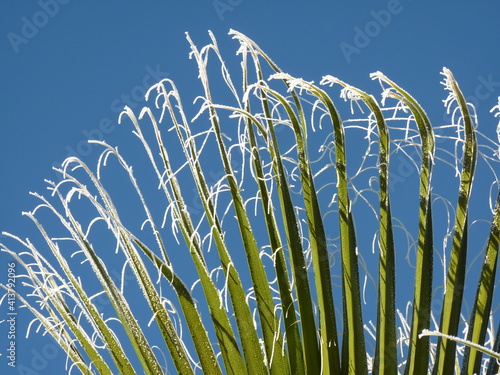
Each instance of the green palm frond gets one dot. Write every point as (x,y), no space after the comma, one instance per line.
(249,241)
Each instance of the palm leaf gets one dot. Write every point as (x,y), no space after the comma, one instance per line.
(455,281)
(282,316)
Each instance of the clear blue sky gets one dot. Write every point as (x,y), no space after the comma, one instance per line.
(68,67)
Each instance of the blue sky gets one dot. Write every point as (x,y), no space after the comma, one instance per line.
(68,68)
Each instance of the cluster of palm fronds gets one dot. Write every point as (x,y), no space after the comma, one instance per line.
(283,269)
